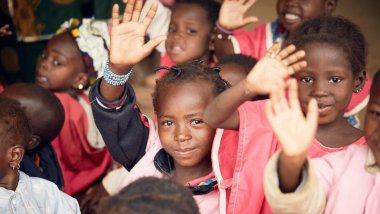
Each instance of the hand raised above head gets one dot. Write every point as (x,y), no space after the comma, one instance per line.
(231,15)
(127,36)
(274,68)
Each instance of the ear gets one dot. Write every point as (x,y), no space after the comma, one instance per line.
(211,44)
(359,81)
(80,82)
(16,153)
(34,142)
(330,6)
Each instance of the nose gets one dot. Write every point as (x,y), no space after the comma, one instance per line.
(43,61)
(320,89)
(182,133)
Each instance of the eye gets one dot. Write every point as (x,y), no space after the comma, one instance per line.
(43,55)
(56,63)
(190,31)
(171,29)
(335,80)
(307,79)
(167,123)
(196,122)
(374,113)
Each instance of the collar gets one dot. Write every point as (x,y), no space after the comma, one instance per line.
(279,32)
(371,164)
(200,186)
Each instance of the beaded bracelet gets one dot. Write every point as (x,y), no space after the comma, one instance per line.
(115,79)
(223,33)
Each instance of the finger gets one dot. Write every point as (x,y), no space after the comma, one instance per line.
(137,11)
(149,46)
(150,15)
(296,67)
(115,15)
(274,49)
(286,52)
(269,112)
(249,20)
(275,97)
(312,114)
(128,10)
(294,102)
(294,57)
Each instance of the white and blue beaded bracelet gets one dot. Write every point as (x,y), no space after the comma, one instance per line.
(115,79)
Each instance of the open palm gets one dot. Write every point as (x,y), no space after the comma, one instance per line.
(232,12)
(294,131)
(127,36)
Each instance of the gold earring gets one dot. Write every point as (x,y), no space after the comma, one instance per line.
(80,86)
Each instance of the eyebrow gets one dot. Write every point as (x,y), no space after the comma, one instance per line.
(59,53)
(200,114)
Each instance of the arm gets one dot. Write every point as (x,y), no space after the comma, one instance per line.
(270,71)
(293,131)
(231,17)
(4,31)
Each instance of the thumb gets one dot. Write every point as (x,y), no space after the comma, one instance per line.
(149,46)
(312,114)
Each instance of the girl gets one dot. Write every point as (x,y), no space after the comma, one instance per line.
(342,182)
(69,61)
(179,145)
(20,193)
(335,65)
(291,14)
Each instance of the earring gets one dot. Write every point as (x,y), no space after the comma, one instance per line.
(13,167)
(358,90)
(80,86)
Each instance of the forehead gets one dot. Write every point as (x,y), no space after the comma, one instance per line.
(63,44)
(187,96)
(189,12)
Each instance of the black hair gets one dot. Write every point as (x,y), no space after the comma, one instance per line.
(189,72)
(14,124)
(245,61)
(47,121)
(151,195)
(375,80)
(336,31)
(210,6)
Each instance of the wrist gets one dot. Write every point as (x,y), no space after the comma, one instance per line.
(249,90)
(296,160)
(120,69)
(221,32)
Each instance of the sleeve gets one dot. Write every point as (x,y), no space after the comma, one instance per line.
(112,181)
(310,196)
(124,129)
(251,43)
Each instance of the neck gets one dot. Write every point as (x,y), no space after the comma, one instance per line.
(185,174)
(10,180)
(337,134)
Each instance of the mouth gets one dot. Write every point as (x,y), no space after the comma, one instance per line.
(176,49)
(291,17)
(185,152)
(41,78)
(323,108)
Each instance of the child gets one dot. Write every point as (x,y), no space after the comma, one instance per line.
(46,116)
(235,67)
(151,195)
(190,33)
(342,182)
(255,43)
(69,61)
(20,193)
(335,63)
(180,146)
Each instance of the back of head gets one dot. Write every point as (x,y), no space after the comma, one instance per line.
(245,61)
(335,31)
(14,124)
(151,195)
(189,72)
(210,6)
(44,109)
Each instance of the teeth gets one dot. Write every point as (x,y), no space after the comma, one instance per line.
(291,16)
(42,78)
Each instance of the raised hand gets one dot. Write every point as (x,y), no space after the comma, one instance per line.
(231,15)
(293,130)
(274,68)
(4,31)
(127,46)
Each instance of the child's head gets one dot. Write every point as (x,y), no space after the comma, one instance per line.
(336,56)
(372,118)
(191,30)
(235,67)
(151,195)
(15,133)
(292,13)
(44,110)
(179,100)
(73,58)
